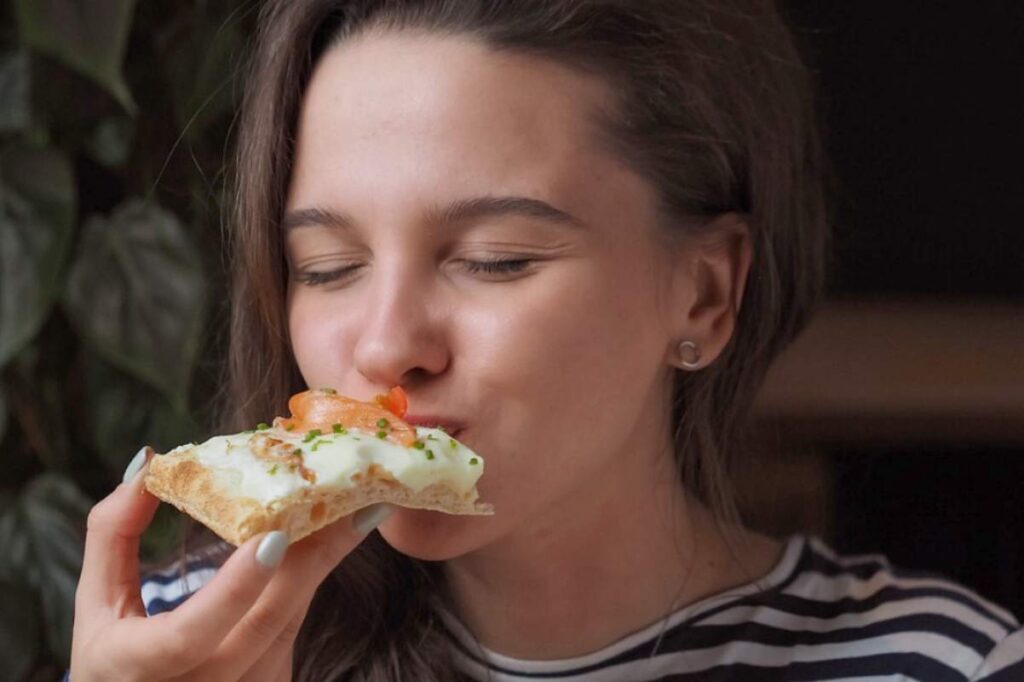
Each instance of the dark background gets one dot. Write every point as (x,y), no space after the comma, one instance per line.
(923,105)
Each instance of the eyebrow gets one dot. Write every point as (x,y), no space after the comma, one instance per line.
(457,211)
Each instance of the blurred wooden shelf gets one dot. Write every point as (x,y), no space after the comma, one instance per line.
(903,370)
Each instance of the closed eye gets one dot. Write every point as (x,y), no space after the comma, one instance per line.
(494,269)
(315,278)
(498,266)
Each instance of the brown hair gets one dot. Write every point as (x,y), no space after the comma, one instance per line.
(713,108)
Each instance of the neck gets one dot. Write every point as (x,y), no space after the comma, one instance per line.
(592,571)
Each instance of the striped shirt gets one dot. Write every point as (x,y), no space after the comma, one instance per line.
(815,616)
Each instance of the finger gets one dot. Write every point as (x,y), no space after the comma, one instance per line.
(275,665)
(110,565)
(275,619)
(178,641)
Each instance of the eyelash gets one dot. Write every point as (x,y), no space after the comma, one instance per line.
(498,266)
(314,279)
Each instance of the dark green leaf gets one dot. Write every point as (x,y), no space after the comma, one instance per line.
(135,292)
(88,36)
(19,631)
(37,207)
(15,105)
(125,415)
(42,536)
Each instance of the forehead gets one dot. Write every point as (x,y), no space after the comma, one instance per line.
(409,116)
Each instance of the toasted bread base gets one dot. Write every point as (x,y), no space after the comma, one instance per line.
(183,481)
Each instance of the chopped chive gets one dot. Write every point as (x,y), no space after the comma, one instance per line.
(474,460)
(452,443)
(318,444)
(383,423)
(431,437)
(419,445)
(273,470)
(262,426)
(297,451)
(338,428)
(311,435)
(382,434)
(289,427)
(441,429)
(430,454)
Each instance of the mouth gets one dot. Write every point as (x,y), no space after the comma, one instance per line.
(451,426)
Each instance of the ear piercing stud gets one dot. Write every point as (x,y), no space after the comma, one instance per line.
(688,355)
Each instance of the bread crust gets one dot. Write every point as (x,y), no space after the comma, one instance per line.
(199,491)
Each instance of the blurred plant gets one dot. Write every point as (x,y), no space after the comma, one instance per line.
(114,122)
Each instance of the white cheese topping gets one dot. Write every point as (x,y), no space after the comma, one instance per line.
(335,458)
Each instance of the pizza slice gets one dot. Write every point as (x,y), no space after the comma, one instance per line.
(332,456)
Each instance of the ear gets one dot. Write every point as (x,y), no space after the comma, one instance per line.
(710,280)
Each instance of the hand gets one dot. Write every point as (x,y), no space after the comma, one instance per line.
(240,626)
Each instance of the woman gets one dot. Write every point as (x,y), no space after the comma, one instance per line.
(577,233)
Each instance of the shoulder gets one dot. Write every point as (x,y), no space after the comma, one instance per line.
(864,615)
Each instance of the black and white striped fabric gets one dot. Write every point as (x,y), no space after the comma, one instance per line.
(816,616)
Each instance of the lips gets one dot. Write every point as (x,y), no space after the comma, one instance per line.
(452,427)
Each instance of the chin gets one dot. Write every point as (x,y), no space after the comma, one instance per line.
(433,536)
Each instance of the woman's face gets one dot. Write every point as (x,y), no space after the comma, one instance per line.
(454,228)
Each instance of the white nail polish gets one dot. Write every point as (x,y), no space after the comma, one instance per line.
(271,551)
(135,466)
(369,518)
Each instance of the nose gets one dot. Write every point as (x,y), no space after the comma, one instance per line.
(403,340)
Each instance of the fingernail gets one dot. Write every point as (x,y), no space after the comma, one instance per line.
(365,520)
(271,551)
(136,465)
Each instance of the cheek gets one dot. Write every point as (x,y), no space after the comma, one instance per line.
(569,364)
(586,342)
(318,340)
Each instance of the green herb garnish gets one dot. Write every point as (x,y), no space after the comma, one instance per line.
(474,460)
(262,426)
(452,443)
(289,427)
(338,428)
(311,435)
(419,445)
(382,434)
(273,470)
(430,454)
(383,423)
(318,444)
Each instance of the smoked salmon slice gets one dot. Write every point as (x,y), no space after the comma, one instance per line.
(324,410)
